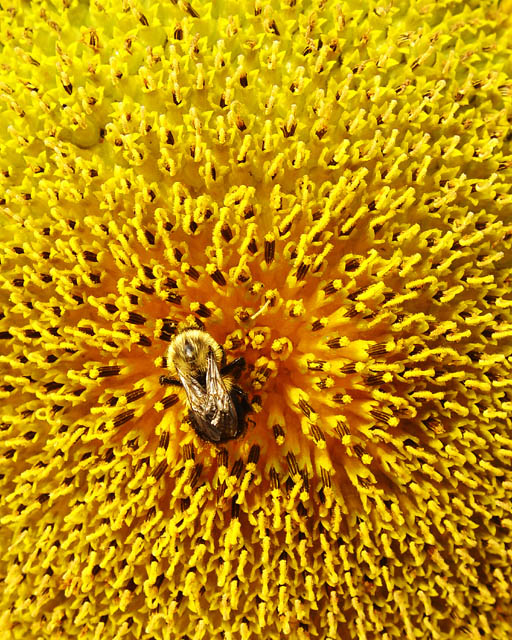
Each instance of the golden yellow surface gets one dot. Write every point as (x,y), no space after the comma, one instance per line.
(325,188)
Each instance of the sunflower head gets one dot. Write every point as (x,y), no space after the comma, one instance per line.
(323,189)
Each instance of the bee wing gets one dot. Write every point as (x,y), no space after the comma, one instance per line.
(211,408)
(215,387)
(220,408)
(198,402)
(196,394)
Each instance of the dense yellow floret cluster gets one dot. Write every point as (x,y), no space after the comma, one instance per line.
(325,187)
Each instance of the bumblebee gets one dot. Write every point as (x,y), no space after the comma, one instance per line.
(217,406)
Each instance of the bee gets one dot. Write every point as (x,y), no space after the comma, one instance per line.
(217,406)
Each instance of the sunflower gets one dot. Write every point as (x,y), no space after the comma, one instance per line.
(324,188)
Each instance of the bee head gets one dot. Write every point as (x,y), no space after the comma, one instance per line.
(189,350)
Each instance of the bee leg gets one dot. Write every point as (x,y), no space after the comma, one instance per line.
(165,380)
(242,406)
(238,363)
(223,358)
